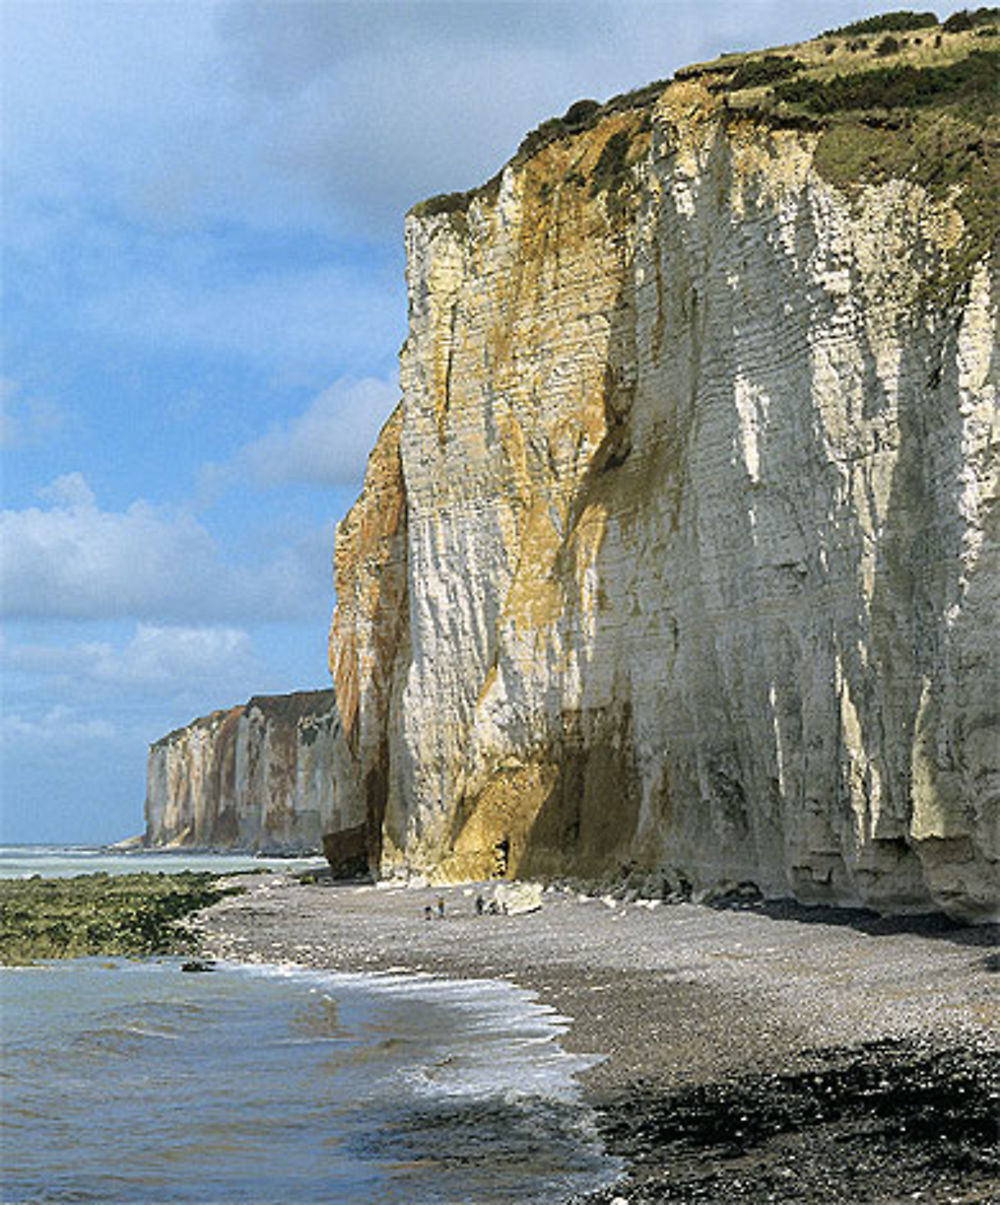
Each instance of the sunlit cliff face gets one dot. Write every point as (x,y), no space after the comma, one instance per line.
(256,777)
(679,558)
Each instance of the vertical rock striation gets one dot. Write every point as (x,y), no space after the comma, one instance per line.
(679,559)
(256,777)
(369,637)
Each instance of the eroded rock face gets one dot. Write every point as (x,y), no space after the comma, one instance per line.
(680,557)
(256,777)
(347,852)
(369,635)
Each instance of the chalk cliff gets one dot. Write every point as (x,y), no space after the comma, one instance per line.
(255,777)
(679,558)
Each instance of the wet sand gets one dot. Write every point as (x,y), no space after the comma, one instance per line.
(752,1052)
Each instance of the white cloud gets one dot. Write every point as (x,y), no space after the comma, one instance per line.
(173,656)
(74,560)
(60,725)
(69,492)
(26,421)
(327,445)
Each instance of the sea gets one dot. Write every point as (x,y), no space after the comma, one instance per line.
(129,1080)
(65,861)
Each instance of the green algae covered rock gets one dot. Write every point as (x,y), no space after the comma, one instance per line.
(132,915)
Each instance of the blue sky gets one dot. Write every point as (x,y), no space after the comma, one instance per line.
(203,302)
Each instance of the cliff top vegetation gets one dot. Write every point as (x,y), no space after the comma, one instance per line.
(206,722)
(293,706)
(901,94)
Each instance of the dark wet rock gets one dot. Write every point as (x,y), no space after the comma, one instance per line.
(198,965)
(886,1121)
(738,895)
(347,852)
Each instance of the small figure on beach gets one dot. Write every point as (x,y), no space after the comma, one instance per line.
(428,912)
(480,905)
(440,907)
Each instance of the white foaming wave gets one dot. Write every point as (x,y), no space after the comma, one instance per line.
(505,1046)
(516,1072)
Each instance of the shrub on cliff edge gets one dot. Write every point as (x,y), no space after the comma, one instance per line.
(886,22)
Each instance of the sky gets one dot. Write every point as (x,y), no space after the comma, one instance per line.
(202,307)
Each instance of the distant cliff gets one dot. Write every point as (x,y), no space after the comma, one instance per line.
(256,777)
(679,559)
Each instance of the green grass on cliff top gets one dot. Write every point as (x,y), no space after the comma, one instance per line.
(133,915)
(895,96)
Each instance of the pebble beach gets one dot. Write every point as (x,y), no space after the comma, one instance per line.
(748,1051)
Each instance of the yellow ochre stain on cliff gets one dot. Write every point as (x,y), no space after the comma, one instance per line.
(505,811)
(566,275)
(365,624)
(536,597)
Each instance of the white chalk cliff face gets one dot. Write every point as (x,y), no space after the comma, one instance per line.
(257,777)
(680,557)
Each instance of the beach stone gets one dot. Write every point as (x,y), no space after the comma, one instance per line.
(516,899)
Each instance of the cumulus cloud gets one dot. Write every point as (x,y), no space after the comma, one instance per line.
(74,560)
(164,654)
(156,655)
(327,445)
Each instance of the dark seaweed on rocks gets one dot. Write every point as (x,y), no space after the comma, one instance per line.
(888,1120)
(131,915)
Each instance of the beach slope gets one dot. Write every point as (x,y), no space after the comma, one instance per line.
(750,1051)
